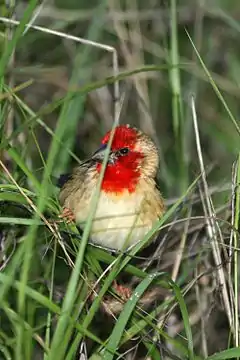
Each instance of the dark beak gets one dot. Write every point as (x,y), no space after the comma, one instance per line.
(100,153)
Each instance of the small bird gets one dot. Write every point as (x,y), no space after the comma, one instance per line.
(129,201)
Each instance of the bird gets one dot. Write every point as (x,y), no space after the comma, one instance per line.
(130,201)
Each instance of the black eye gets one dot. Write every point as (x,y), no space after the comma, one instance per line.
(123,151)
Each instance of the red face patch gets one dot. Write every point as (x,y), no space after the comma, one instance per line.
(124,173)
(124,136)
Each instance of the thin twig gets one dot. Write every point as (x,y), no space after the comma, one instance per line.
(211,221)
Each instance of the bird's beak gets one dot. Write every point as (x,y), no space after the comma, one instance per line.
(100,153)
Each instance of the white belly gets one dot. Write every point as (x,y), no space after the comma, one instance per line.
(118,221)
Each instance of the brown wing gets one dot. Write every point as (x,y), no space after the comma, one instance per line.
(74,183)
(63,178)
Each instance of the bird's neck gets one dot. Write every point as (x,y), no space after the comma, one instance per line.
(118,180)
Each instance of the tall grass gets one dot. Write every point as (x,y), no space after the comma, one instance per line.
(56,287)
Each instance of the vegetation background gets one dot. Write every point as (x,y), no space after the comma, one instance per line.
(56,101)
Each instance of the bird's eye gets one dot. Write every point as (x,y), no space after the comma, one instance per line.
(123,151)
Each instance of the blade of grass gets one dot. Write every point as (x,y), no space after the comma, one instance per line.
(83,90)
(8,50)
(68,302)
(15,319)
(213,228)
(236,254)
(7,280)
(185,317)
(214,86)
(19,221)
(226,354)
(73,106)
(16,36)
(9,92)
(13,153)
(13,197)
(49,315)
(123,319)
(177,107)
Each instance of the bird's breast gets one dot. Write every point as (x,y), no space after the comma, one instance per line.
(120,220)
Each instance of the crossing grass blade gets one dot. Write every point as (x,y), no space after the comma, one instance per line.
(124,317)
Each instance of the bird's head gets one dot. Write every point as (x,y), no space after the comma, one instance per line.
(133,155)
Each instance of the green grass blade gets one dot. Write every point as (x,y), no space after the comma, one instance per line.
(6,280)
(226,354)
(123,319)
(16,36)
(13,153)
(72,285)
(236,254)
(19,221)
(73,106)
(185,317)
(177,106)
(215,88)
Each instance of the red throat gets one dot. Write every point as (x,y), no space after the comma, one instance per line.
(125,172)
